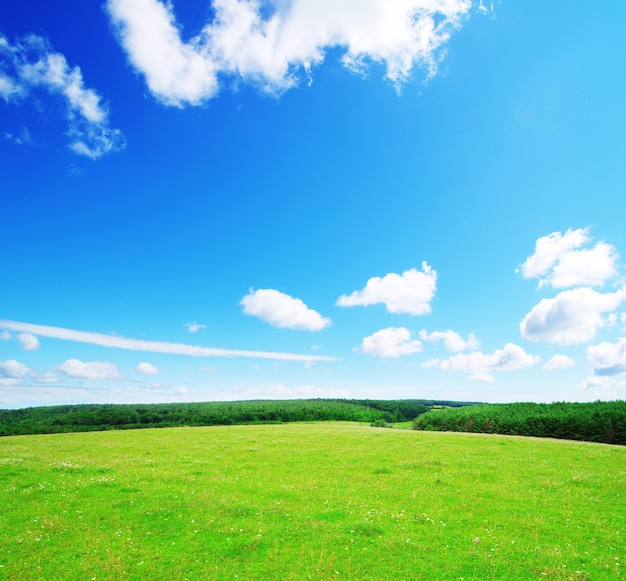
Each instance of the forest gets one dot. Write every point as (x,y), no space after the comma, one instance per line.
(92,417)
(598,421)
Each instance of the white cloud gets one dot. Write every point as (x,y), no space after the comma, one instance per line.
(607,358)
(194,327)
(13,369)
(603,386)
(390,342)
(89,369)
(559,362)
(410,292)
(28,342)
(282,310)
(560,262)
(146,368)
(274,44)
(47,377)
(479,365)
(117,342)
(452,340)
(5,335)
(570,318)
(32,64)
(280,391)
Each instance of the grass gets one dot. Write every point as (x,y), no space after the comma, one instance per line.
(309,501)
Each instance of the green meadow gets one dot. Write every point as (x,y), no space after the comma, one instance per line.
(309,501)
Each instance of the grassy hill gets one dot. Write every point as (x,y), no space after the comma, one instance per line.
(309,501)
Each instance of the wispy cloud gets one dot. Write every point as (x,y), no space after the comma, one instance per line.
(30,65)
(117,342)
(410,292)
(276,44)
(194,327)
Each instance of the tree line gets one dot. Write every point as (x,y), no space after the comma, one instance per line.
(91,417)
(593,422)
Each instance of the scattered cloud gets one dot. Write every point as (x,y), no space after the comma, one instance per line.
(570,318)
(5,335)
(147,368)
(410,292)
(559,362)
(28,342)
(22,138)
(48,377)
(274,45)
(480,366)
(31,65)
(117,342)
(560,262)
(452,340)
(390,342)
(281,310)
(602,386)
(607,359)
(77,369)
(194,327)
(13,370)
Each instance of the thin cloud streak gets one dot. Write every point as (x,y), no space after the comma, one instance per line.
(116,342)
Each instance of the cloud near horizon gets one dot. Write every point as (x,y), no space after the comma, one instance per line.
(117,342)
(409,293)
(30,65)
(480,366)
(281,310)
(276,44)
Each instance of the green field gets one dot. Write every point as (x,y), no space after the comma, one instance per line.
(309,501)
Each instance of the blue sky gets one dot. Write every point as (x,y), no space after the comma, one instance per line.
(235,200)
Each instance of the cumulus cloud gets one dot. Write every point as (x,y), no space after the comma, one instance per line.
(452,340)
(560,262)
(410,292)
(390,342)
(281,310)
(117,342)
(194,327)
(559,362)
(570,318)
(31,65)
(13,370)
(480,366)
(89,369)
(607,358)
(275,44)
(28,342)
(146,368)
